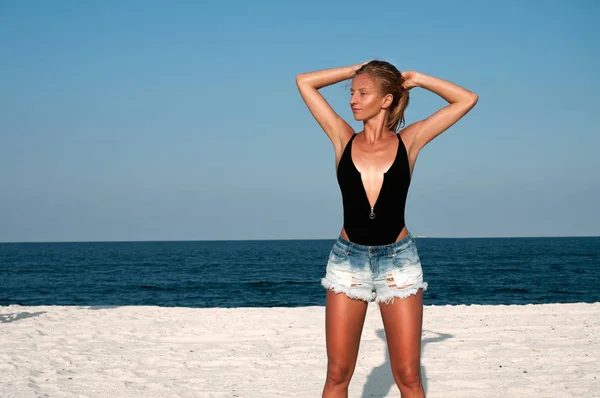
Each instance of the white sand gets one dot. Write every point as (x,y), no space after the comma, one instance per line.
(468,351)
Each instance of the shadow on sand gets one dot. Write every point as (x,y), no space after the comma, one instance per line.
(17,316)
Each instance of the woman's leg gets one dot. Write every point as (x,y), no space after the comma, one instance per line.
(344,320)
(403,322)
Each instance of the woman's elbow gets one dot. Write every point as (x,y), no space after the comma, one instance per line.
(473,98)
(300,78)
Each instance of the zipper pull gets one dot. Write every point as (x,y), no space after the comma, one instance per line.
(372,215)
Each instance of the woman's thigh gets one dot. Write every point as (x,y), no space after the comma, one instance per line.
(344,320)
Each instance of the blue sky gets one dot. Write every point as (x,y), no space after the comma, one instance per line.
(156,120)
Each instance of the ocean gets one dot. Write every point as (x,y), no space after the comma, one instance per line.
(287,273)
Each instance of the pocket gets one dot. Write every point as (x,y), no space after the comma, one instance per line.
(338,255)
(406,257)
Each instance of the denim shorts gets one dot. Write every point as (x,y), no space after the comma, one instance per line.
(375,273)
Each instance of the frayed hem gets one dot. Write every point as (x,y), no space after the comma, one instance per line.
(400,294)
(337,288)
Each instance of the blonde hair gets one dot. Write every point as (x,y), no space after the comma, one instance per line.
(390,82)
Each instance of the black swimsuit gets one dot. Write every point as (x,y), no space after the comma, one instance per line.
(382,223)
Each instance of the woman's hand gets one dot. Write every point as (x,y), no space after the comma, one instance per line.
(409,79)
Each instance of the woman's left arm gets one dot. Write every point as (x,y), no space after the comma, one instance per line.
(460,101)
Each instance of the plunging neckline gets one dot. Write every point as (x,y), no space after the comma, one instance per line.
(384,173)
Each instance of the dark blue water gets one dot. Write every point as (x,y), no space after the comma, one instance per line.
(287,273)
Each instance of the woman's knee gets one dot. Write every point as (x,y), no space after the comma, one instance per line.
(408,376)
(339,373)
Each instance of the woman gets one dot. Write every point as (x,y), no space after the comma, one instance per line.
(375,257)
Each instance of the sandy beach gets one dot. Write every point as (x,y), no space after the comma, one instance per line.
(550,350)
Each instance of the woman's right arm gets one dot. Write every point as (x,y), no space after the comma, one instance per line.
(309,84)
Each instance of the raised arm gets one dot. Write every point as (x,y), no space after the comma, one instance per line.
(309,84)
(460,101)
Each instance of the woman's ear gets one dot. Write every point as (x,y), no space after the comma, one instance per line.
(387,101)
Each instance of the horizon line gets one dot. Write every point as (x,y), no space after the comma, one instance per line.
(293,239)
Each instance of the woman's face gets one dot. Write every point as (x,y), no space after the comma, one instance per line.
(365,97)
